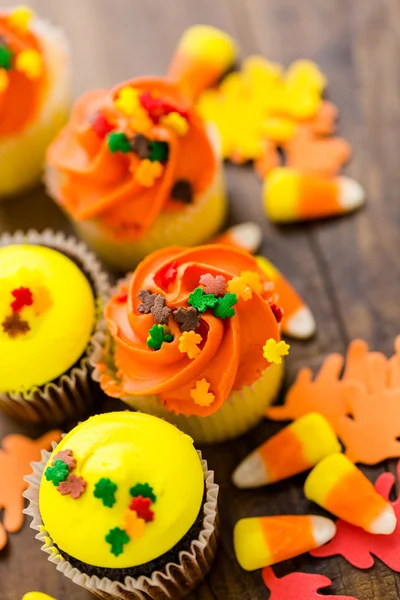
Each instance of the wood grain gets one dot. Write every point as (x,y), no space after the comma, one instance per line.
(347,269)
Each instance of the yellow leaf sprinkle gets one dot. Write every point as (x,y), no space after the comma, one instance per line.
(127,101)
(188,342)
(201,395)
(273,351)
(238,286)
(30,63)
(20,18)
(254,280)
(3,80)
(148,171)
(176,122)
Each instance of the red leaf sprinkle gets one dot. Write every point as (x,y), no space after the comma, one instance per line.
(168,274)
(142,507)
(278,311)
(102,126)
(23,297)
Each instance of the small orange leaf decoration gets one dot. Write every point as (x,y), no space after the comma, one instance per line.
(201,394)
(361,406)
(188,342)
(134,525)
(16,455)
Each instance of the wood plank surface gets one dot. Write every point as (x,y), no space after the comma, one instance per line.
(347,269)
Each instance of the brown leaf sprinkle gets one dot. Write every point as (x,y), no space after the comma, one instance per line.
(74,485)
(159,311)
(147,301)
(13,325)
(67,458)
(188,318)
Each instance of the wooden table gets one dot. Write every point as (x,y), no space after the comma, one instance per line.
(347,269)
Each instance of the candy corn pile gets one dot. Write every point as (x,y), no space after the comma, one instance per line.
(361,409)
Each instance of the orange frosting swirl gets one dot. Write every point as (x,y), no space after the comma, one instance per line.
(22,96)
(99,183)
(231,349)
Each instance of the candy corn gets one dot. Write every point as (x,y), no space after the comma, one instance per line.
(298,321)
(247,236)
(203,55)
(294,449)
(264,541)
(338,486)
(293,195)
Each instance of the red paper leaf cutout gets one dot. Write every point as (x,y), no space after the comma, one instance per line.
(298,586)
(359,547)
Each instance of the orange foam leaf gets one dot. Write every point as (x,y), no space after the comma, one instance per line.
(16,455)
(362,405)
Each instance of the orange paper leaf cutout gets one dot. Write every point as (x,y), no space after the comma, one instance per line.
(307,152)
(16,455)
(361,406)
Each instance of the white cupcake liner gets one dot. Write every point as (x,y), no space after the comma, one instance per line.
(69,396)
(22,155)
(174,581)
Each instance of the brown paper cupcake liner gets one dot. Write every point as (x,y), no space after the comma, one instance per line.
(68,397)
(174,581)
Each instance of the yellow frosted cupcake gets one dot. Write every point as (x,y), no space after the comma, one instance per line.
(136,168)
(51,291)
(126,505)
(35,96)
(194,338)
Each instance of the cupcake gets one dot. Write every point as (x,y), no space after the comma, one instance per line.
(51,297)
(136,168)
(35,96)
(126,508)
(194,338)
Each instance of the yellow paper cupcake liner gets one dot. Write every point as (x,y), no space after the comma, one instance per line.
(242,411)
(191,226)
(22,155)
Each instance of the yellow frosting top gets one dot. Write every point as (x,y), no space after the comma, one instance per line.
(36,596)
(121,489)
(47,312)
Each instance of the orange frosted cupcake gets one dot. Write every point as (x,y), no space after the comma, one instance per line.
(35,95)
(136,168)
(194,338)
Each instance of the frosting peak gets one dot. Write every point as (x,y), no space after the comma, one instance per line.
(131,152)
(190,327)
(22,72)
